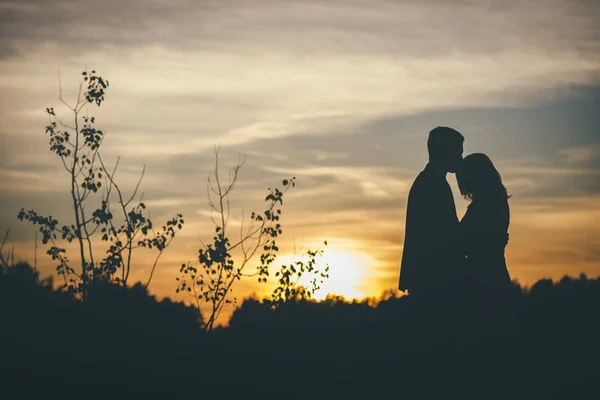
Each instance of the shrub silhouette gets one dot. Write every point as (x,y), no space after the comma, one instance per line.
(124,343)
(118,337)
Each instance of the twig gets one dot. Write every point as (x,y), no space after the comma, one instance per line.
(35,252)
(136,186)
(2,260)
(156,261)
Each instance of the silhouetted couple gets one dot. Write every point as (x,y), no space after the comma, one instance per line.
(441,253)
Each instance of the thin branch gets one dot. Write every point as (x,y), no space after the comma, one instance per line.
(223,234)
(35,251)
(130,235)
(81,198)
(75,198)
(2,260)
(65,164)
(136,186)
(64,125)
(196,297)
(87,237)
(60,97)
(80,103)
(242,231)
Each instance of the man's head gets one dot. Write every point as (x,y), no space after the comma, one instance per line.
(445,147)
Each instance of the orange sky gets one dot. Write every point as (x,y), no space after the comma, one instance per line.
(340,95)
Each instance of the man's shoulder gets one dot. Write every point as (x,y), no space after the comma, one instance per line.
(425,183)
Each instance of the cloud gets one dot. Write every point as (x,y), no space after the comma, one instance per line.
(582,154)
(339,94)
(363,26)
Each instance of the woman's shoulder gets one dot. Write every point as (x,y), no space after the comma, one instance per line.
(489,208)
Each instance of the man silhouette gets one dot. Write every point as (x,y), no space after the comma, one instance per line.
(432,260)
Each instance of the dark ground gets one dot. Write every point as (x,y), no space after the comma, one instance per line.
(122,343)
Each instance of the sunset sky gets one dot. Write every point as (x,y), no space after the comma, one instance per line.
(339,94)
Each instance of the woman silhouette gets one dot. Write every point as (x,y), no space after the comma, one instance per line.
(484,226)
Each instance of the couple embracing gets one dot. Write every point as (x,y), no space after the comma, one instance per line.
(441,253)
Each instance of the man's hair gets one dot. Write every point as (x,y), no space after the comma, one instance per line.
(441,138)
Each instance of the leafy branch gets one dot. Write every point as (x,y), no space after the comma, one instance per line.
(78,147)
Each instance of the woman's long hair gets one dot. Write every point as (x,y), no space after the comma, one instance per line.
(477,177)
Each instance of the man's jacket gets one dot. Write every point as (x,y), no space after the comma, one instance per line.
(432,259)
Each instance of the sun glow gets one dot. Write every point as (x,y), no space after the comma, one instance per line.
(347,274)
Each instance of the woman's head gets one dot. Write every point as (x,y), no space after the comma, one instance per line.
(477,177)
